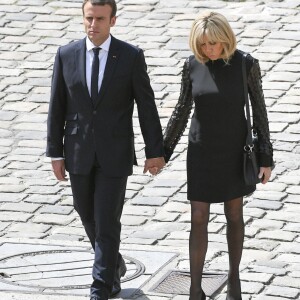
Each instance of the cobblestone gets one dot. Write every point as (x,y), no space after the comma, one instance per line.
(156,213)
(53,219)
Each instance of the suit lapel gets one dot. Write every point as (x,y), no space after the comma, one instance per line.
(111,63)
(80,61)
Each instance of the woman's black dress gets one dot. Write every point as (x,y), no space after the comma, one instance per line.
(218,127)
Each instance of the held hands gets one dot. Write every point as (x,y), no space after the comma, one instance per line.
(264,174)
(154,165)
(59,169)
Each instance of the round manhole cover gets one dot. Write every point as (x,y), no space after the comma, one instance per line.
(57,269)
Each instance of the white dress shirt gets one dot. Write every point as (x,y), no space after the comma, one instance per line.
(102,59)
(103,53)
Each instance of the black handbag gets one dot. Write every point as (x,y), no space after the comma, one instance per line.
(250,159)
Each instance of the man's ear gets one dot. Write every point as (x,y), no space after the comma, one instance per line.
(113,21)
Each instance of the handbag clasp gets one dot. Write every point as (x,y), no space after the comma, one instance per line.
(249,148)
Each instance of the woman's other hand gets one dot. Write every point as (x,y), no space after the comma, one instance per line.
(264,174)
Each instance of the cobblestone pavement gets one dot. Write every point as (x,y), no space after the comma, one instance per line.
(37,220)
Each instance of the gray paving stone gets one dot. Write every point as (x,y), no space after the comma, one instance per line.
(4,225)
(12,188)
(139,210)
(282,292)
(293,227)
(20,40)
(159,192)
(4,150)
(10,180)
(264,204)
(23,166)
(33,135)
(6,142)
(69,231)
(20,207)
(264,297)
(52,18)
(44,190)
(15,217)
(173,243)
(164,216)
(165,226)
(285,35)
(256,277)
(268,224)
(294,190)
(130,194)
(23,89)
(53,219)
(256,244)
(13,97)
(270,195)
(64,237)
(287,108)
(11,197)
(133,220)
(277,235)
(25,235)
(179,235)
(68,11)
(36,228)
(5,133)
(22,158)
(60,210)
(155,235)
(139,241)
(152,201)
(12,31)
(287,247)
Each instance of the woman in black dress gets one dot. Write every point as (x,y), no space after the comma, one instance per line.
(212,81)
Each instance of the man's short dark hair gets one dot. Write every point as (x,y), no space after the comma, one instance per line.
(111,3)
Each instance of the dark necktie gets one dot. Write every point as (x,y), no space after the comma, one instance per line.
(95,74)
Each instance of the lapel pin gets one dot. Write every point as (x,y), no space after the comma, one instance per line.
(114,56)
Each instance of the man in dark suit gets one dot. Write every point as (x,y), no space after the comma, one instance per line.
(90,134)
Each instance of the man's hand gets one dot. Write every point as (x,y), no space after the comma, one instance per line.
(59,169)
(154,165)
(264,174)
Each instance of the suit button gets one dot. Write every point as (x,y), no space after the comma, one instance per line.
(94,112)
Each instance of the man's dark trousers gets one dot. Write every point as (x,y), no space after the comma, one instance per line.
(99,202)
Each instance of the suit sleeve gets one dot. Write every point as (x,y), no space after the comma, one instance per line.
(147,110)
(56,114)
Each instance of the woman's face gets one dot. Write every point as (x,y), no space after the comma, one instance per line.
(212,50)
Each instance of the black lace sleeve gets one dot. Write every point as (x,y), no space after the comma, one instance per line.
(180,115)
(260,118)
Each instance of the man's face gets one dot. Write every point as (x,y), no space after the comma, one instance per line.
(97,22)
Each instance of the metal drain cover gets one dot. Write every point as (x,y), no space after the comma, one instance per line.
(57,269)
(178,282)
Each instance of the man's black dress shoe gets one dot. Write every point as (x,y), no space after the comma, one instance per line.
(102,297)
(120,272)
(101,294)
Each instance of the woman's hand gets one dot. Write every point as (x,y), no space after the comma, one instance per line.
(264,174)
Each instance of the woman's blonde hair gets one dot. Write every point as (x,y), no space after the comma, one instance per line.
(215,28)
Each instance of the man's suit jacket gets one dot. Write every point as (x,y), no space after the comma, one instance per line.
(80,130)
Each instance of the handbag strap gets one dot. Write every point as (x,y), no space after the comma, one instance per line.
(248,117)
